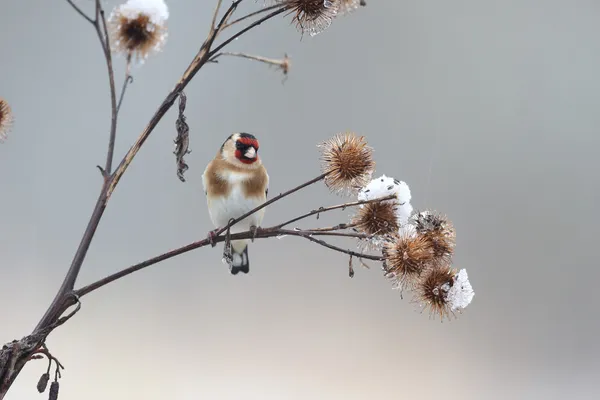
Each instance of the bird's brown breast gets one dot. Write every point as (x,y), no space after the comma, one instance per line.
(218,184)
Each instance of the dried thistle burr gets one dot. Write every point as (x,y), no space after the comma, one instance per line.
(6,119)
(138,28)
(444,291)
(438,230)
(348,162)
(312,16)
(406,257)
(377,219)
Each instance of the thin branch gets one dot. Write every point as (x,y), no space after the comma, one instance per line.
(342,206)
(283,63)
(213,27)
(259,234)
(113,92)
(341,250)
(128,80)
(80,12)
(252,14)
(246,29)
(334,228)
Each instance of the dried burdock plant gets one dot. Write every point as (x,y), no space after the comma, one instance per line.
(6,119)
(438,230)
(138,28)
(376,220)
(312,16)
(405,258)
(347,161)
(444,291)
(415,250)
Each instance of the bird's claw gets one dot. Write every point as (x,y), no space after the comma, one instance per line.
(227,255)
(212,235)
(254,229)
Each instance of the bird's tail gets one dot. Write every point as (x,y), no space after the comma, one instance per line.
(240,262)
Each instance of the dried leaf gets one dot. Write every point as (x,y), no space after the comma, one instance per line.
(182,142)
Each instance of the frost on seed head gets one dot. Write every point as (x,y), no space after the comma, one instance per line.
(312,16)
(386,186)
(138,27)
(461,293)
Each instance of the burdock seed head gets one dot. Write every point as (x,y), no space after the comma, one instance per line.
(138,27)
(438,230)
(444,291)
(406,257)
(6,119)
(377,219)
(313,16)
(348,162)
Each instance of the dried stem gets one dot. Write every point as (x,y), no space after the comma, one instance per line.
(252,14)
(215,14)
(261,233)
(128,80)
(283,63)
(80,12)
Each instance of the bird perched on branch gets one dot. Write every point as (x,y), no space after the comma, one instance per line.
(235,182)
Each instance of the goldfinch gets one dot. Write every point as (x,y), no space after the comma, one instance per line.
(235,182)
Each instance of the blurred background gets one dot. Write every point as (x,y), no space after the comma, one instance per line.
(488,110)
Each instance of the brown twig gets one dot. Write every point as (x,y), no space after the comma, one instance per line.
(80,12)
(283,64)
(252,14)
(261,233)
(215,14)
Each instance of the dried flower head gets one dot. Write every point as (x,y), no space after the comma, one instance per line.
(313,16)
(406,257)
(438,230)
(444,291)
(6,119)
(377,219)
(348,162)
(385,186)
(138,27)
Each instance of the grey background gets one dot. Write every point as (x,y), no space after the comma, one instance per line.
(487,109)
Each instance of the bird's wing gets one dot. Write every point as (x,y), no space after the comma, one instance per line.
(204,179)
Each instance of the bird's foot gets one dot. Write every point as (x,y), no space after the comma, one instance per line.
(227,254)
(227,250)
(254,229)
(212,235)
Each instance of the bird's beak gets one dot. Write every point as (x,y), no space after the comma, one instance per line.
(250,153)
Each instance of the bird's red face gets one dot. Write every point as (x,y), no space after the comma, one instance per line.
(246,148)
